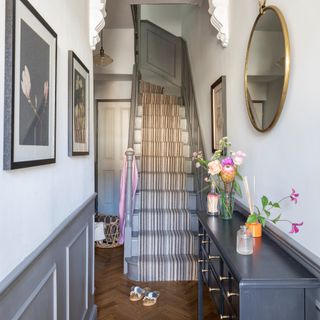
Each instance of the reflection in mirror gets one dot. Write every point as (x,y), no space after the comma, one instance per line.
(267,69)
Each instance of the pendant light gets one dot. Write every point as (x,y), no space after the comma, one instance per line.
(101,59)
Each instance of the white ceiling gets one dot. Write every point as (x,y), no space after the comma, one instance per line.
(118,14)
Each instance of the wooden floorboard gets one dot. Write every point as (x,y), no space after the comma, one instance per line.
(177,301)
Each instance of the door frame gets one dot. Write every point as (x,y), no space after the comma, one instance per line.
(96,144)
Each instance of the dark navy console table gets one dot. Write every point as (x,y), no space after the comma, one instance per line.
(267,285)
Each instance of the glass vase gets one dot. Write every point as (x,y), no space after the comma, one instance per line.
(226,205)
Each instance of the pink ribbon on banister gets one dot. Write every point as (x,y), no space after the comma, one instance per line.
(122,201)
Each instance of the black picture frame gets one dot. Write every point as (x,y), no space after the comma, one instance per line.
(79,106)
(218,111)
(29,102)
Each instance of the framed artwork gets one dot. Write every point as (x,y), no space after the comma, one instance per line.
(78,106)
(30,88)
(218,112)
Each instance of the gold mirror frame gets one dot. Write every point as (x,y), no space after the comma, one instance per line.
(284,27)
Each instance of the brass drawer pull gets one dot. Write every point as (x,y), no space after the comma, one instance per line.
(214,289)
(232,294)
(201,234)
(225,317)
(201,260)
(214,257)
(204,270)
(204,241)
(225,278)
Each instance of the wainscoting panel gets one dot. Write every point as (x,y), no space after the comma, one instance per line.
(56,281)
(77,276)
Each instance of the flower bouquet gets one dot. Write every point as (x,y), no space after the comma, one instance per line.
(222,171)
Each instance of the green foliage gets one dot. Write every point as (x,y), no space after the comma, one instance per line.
(237,188)
(253,218)
(265,213)
(275,220)
(264,201)
(262,220)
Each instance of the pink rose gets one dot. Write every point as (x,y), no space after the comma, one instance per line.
(238,157)
(214,167)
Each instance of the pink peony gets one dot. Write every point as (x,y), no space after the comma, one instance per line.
(214,167)
(238,157)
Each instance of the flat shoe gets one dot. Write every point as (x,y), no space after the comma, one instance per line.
(138,293)
(150,298)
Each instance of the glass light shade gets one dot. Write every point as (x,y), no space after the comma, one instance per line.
(101,59)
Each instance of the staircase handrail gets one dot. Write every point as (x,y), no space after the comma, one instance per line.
(130,154)
(196,142)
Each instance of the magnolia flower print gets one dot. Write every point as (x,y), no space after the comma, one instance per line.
(26,82)
(26,89)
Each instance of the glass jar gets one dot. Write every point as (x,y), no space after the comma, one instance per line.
(212,203)
(244,241)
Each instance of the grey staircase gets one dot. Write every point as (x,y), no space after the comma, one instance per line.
(163,221)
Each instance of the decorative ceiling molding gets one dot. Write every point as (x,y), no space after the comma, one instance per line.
(97,11)
(219,11)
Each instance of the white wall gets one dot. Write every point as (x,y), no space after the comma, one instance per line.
(112,89)
(119,45)
(34,201)
(287,155)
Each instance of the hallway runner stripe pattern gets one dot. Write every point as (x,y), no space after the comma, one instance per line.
(166,243)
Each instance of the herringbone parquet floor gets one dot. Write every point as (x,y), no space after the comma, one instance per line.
(178,300)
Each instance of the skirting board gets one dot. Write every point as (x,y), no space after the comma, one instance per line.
(56,281)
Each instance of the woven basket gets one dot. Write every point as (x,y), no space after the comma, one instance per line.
(111,231)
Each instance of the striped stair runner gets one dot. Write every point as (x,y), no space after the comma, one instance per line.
(166,243)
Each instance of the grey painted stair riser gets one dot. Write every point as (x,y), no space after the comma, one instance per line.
(162,135)
(138,123)
(182,111)
(191,202)
(186,165)
(136,245)
(162,149)
(136,221)
(173,181)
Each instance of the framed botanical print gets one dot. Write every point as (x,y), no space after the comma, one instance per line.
(30,88)
(78,106)
(218,112)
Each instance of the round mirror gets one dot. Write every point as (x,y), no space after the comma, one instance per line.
(267,68)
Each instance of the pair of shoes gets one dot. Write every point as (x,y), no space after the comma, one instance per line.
(149,297)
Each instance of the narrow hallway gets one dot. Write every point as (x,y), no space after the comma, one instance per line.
(178,300)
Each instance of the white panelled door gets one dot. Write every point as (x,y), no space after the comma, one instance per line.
(113,130)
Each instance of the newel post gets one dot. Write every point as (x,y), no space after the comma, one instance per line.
(128,211)
(129,155)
